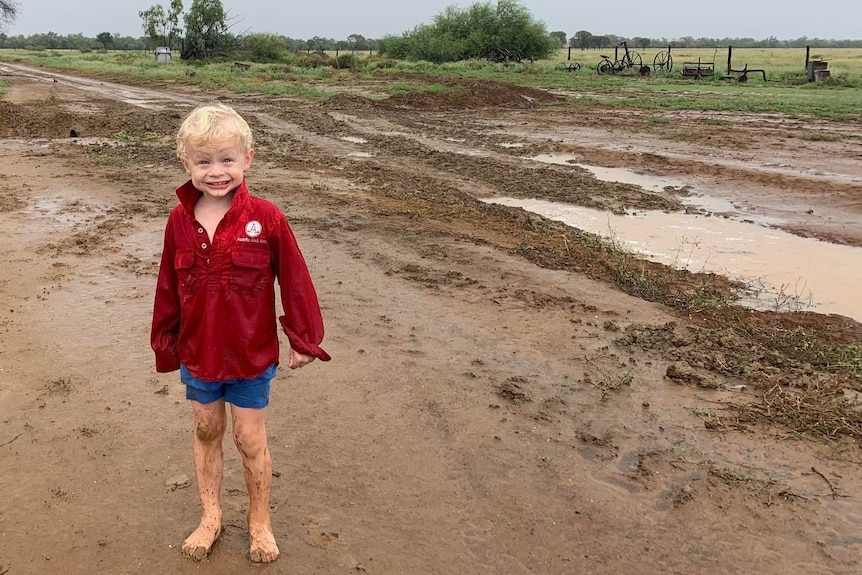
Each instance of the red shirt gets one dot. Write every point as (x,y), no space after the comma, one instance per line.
(214,308)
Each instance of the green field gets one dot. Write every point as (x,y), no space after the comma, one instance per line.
(779,63)
(786,90)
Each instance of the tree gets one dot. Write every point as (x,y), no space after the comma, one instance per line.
(162,27)
(106,39)
(318,44)
(582,39)
(8,11)
(460,34)
(206,31)
(172,21)
(611,40)
(357,42)
(154,24)
(600,42)
(640,42)
(264,48)
(560,37)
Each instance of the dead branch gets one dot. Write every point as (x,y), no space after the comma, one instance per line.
(829,483)
(11,440)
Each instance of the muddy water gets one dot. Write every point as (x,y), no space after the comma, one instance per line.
(783,272)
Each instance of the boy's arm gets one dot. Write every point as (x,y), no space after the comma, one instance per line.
(166,309)
(302,321)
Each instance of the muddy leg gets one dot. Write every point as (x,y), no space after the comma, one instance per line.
(210,422)
(249,433)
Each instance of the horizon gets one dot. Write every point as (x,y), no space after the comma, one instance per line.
(786,20)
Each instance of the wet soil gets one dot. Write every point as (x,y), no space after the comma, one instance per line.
(507,394)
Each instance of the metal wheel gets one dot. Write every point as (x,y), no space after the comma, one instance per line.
(574,67)
(605,67)
(636,60)
(662,61)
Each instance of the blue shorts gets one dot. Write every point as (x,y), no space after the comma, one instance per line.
(250,393)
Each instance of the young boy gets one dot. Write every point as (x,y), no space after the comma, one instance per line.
(214,314)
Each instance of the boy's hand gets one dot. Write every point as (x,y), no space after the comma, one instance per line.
(296,359)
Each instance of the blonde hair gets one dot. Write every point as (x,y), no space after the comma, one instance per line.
(209,124)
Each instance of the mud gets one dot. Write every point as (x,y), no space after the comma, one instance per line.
(507,395)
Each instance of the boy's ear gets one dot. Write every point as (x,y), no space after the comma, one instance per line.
(249,156)
(186,166)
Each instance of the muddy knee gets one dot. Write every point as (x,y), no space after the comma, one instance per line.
(208,431)
(250,443)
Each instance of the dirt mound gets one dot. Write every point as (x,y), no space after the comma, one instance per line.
(474,94)
(45,119)
(349,102)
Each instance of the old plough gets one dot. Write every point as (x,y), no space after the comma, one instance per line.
(742,75)
(699,69)
(502,55)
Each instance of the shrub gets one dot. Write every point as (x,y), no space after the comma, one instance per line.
(469,33)
(264,48)
(312,59)
(346,62)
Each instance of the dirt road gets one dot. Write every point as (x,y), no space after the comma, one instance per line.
(499,402)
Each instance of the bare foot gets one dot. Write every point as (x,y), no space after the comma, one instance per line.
(262,548)
(199,544)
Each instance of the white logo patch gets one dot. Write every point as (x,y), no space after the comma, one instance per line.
(253,229)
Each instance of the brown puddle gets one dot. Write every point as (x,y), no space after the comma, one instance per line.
(783,272)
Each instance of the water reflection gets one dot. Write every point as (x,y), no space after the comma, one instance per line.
(785,272)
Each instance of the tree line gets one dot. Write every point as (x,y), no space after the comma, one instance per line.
(585,40)
(113,41)
(454,34)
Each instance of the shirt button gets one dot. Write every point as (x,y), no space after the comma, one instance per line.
(200,230)
(208,260)
(204,246)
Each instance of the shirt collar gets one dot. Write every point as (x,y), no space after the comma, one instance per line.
(189,196)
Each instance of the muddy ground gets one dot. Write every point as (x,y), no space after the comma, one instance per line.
(506,395)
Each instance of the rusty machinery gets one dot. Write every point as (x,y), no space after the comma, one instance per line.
(663,61)
(744,72)
(630,59)
(816,68)
(502,55)
(699,69)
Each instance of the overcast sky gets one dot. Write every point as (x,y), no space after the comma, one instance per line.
(784,19)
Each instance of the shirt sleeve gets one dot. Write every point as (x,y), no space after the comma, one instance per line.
(166,309)
(302,321)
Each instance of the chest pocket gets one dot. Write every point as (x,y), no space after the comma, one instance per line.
(249,271)
(184,264)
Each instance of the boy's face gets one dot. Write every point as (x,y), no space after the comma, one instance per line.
(217,169)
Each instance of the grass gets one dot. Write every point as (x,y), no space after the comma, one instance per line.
(814,136)
(406,87)
(847,358)
(787,91)
(777,62)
